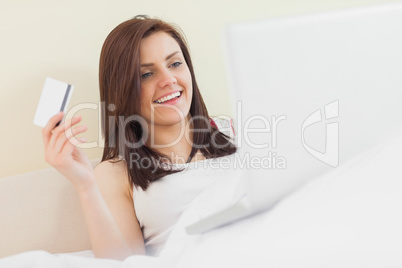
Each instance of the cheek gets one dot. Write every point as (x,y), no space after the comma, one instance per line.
(146,94)
(146,99)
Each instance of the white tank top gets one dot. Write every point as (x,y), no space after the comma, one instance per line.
(161,205)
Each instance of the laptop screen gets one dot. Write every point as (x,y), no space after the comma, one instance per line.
(310,92)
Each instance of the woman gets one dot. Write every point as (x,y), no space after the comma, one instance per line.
(155,125)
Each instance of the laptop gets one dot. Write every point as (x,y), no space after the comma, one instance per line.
(311,92)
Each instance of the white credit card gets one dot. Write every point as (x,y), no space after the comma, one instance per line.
(55,98)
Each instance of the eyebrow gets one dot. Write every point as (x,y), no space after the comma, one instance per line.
(167,58)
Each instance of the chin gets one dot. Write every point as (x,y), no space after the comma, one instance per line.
(179,112)
(167,116)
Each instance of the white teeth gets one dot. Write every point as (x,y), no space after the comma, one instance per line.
(169,97)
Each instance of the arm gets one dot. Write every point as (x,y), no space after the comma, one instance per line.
(116,191)
(104,194)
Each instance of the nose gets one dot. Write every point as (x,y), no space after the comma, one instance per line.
(167,79)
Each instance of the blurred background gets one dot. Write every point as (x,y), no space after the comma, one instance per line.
(62,40)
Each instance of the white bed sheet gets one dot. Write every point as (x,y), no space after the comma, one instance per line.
(350,217)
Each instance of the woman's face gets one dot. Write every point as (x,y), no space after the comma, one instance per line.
(166,86)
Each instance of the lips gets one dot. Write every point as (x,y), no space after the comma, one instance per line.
(169,98)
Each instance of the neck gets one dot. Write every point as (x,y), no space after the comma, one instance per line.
(174,141)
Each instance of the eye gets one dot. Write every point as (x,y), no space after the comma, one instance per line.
(176,64)
(146,75)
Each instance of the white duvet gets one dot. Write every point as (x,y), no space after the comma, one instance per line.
(349,217)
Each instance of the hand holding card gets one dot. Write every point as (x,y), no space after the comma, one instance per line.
(55,98)
(62,153)
(60,140)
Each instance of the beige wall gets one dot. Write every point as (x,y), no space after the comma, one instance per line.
(62,39)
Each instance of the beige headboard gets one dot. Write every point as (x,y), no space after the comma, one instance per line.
(40,210)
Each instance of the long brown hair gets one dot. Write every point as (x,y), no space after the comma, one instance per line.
(120,93)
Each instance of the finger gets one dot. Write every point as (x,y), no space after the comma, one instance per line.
(56,133)
(51,124)
(67,124)
(72,132)
(68,137)
(52,153)
(63,158)
(69,148)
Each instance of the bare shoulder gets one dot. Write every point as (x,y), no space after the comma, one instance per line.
(111,167)
(111,175)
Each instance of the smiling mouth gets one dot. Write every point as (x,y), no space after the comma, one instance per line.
(168,98)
